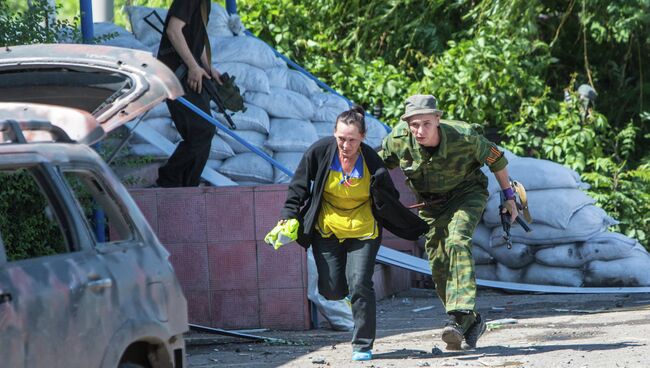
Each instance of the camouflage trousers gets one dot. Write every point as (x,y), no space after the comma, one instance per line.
(453,219)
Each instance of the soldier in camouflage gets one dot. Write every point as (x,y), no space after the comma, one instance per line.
(441,160)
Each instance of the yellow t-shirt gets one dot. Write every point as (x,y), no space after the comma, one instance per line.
(346,207)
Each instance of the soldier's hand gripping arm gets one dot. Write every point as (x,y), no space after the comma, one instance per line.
(195,73)
(504,182)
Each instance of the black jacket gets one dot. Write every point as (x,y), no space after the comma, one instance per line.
(307,185)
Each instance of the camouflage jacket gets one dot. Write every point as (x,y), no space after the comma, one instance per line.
(461,153)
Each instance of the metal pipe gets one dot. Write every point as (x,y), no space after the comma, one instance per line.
(103,10)
(86,14)
(231,6)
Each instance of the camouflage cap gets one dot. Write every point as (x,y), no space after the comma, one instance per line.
(420,104)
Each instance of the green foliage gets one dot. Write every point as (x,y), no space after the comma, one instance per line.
(26,229)
(34,25)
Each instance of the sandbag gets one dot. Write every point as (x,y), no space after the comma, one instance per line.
(561,255)
(329,99)
(486,272)
(255,138)
(375,132)
(247,167)
(246,76)
(507,274)
(631,271)
(518,256)
(282,103)
(254,118)
(122,37)
(609,246)
(324,128)
(553,207)
(537,174)
(480,256)
(164,126)
(159,111)
(244,49)
(146,150)
(559,276)
(218,22)
(143,31)
(481,236)
(298,82)
(214,164)
(219,149)
(585,223)
(290,160)
(278,76)
(327,113)
(291,135)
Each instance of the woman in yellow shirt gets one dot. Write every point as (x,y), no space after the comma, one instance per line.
(342,195)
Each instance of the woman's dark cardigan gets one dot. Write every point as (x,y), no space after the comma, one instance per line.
(307,185)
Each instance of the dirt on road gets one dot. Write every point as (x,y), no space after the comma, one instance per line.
(538,331)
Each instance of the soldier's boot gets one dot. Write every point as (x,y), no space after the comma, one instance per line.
(474,332)
(452,334)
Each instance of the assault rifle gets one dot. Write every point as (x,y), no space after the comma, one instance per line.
(521,201)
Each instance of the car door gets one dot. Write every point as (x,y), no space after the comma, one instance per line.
(58,294)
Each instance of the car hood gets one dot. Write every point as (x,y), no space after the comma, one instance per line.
(113,84)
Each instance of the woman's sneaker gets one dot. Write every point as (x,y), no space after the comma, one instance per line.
(475,331)
(361,355)
(452,334)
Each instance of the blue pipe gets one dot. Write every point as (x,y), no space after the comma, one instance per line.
(86,10)
(231,6)
(312,77)
(234,135)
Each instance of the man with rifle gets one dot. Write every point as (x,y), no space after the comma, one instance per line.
(441,160)
(185,43)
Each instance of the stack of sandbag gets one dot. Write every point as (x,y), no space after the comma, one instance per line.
(569,244)
(286,110)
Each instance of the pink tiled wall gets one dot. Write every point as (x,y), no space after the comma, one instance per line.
(230,277)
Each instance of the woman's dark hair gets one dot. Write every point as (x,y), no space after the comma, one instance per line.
(354,116)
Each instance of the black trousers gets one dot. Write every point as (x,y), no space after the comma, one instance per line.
(185,165)
(347,268)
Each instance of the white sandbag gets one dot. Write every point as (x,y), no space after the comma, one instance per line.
(481,236)
(278,76)
(290,160)
(220,150)
(375,132)
(585,223)
(561,255)
(143,31)
(235,25)
(164,126)
(254,118)
(247,167)
(480,256)
(246,76)
(146,150)
(486,272)
(507,274)
(553,207)
(218,22)
(282,103)
(255,138)
(298,82)
(324,128)
(337,312)
(559,276)
(122,37)
(159,111)
(631,271)
(609,246)
(244,49)
(518,256)
(291,135)
(329,99)
(214,164)
(537,174)
(327,113)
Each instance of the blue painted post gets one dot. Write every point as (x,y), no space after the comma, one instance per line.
(86,10)
(231,6)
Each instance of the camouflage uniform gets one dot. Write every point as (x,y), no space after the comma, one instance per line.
(455,190)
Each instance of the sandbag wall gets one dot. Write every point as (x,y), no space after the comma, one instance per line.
(569,244)
(286,110)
